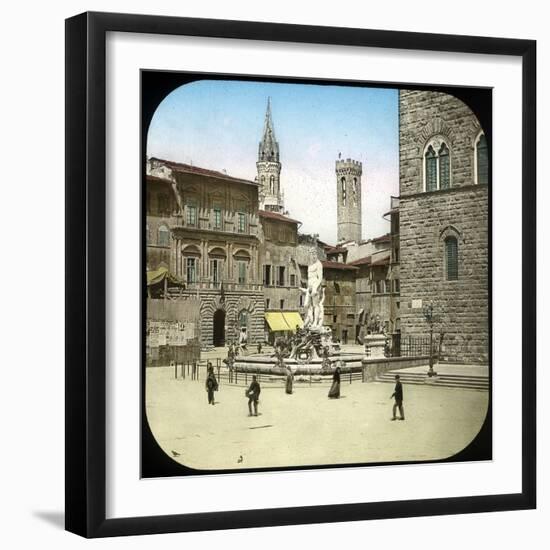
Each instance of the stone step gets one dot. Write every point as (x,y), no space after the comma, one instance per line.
(388,376)
(457,383)
(439,375)
(448,385)
(391,376)
(449,380)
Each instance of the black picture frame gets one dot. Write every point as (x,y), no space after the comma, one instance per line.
(86,274)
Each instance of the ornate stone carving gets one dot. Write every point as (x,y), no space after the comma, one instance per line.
(314,296)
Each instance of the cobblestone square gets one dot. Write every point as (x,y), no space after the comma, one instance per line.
(307,428)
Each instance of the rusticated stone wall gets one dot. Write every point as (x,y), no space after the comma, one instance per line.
(428,218)
(232,303)
(426,115)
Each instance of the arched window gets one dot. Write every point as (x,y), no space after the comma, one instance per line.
(444,167)
(451,258)
(272,184)
(482,160)
(343,182)
(163,236)
(437,165)
(354,191)
(431,169)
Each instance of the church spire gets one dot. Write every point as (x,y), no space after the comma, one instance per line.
(269,148)
(269,168)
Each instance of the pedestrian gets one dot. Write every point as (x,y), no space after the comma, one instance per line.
(259,347)
(289,381)
(334,392)
(398,395)
(253,394)
(211,383)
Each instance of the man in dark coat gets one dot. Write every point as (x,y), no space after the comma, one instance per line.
(398,395)
(211,384)
(253,394)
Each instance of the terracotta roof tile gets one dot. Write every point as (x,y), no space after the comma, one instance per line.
(337,265)
(382,261)
(362,261)
(189,169)
(382,238)
(276,216)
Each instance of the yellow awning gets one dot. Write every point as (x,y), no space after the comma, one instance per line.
(283,320)
(293,319)
(158,276)
(276,321)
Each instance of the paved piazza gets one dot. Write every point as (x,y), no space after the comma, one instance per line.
(307,428)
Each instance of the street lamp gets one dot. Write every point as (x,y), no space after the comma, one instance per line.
(431,319)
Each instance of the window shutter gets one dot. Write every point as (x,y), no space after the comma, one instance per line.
(431,170)
(444,168)
(482,161)
(164,236)
(451,251)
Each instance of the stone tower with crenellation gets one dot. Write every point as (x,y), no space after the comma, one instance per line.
(348,178)
(269,168)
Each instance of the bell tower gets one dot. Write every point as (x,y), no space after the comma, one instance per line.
(348,182)
(269,167)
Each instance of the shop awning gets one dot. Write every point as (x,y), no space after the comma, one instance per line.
(293,319)
(276,321)
(158,276)
(283,321)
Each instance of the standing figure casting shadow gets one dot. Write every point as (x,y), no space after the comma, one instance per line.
(334,392)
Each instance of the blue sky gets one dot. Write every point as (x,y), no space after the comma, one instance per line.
(218,125)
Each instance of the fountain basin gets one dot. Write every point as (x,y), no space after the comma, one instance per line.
(268,365)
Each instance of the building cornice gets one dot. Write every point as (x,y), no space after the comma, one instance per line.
(450,191)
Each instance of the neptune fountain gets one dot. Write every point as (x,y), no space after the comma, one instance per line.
(311,349)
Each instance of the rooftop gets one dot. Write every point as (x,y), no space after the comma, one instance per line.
(337,265)
(382,261)
(362,261)
(382,238)
(334,249)
(197,170)
(276,216)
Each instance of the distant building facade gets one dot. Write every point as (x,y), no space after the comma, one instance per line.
(213,244)
(340,304)
(161,205)
(443,222)
(376,289)
(280,273)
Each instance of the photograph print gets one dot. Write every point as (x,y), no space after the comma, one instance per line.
(316,261)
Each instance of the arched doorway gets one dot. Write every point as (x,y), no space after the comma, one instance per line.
(219,328)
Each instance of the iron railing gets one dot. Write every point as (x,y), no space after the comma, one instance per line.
(411,346)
